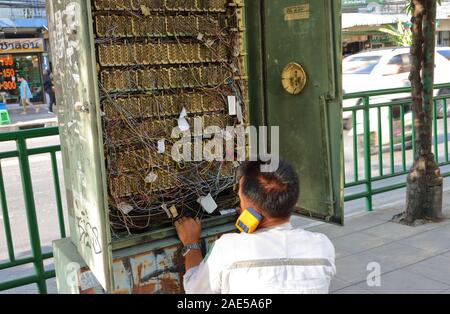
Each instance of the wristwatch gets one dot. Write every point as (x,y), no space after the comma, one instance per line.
(189,247)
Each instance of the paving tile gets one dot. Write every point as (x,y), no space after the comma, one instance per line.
(396,255)
(361,222)
(338,283)
(391,256)
(436,268)
(353,268)
(403,282)
(341,253)
(352,225)
(436,241)
(446,220)
(385,214)
(395,231)
(331,231)
(353,290)
(358,242)
(444,229)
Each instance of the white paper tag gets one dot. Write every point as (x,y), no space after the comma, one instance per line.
(125,208)
(151,178)
(208,203)
(174,211)
(161,146)
(232,105)
(166,210)
(183,113)
(200,36)
(183,125)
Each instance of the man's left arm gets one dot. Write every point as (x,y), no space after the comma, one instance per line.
(202,276)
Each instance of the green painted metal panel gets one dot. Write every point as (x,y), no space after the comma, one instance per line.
(70,25)
(306,32)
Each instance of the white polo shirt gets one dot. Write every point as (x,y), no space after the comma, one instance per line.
(281,259)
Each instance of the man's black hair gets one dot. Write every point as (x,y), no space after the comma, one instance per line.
(276,193)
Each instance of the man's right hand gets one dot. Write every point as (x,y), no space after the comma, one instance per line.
(189,230)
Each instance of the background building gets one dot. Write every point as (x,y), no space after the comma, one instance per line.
(23,46)
(362,20)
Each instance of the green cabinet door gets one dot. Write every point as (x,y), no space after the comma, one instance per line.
(307,33)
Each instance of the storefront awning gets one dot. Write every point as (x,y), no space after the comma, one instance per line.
(364,19)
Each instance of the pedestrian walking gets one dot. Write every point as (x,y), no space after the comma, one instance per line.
(25,94)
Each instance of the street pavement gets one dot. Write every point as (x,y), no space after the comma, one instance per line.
(409,259)
(43,118)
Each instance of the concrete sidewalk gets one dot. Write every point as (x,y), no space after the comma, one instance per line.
(30,120)
(412,259)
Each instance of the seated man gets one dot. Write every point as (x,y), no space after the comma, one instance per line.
(277,258)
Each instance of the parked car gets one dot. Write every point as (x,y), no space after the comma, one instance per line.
(387,69)
(444,51)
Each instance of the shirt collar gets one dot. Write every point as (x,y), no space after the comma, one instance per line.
(285,226)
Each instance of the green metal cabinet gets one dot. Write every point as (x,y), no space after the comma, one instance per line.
(308,33)
(279,32)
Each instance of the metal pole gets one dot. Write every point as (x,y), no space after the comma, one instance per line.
(30,207)
(367,154)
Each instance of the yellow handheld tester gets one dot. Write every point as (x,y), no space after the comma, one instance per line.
(249,221)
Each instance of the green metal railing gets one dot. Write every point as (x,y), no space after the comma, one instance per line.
(22,154)
(370,129)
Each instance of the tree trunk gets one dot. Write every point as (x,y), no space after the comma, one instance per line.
(424,183)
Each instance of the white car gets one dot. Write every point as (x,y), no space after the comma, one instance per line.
(386,69)
(444,51)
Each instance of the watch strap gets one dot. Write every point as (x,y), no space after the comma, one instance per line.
(189,247)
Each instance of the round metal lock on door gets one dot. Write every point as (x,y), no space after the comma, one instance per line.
(293,78)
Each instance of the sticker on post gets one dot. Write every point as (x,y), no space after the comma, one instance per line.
(208,204)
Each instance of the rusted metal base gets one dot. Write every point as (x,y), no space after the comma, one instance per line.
(155,268)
